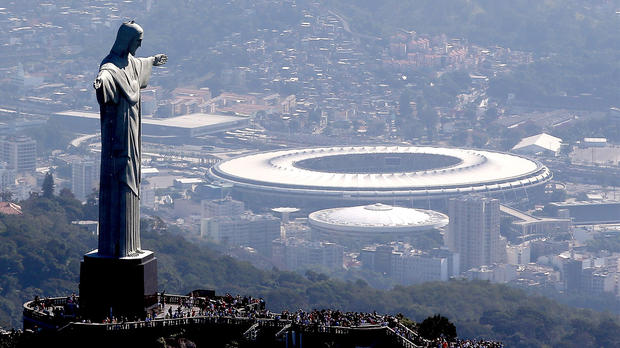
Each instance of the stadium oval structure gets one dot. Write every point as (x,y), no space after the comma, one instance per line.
(375,220)
(376,173)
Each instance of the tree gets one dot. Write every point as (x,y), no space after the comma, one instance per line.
(6,196)
(314,115)
(429,117)
(412,129)
(404,108)
(470,114)
(437,326)
(48,186)
(557,195)
(376,127)
(460,138)
(315,276)
(453,83)
(479,139)
(491,114)
(91,208)
(66,194)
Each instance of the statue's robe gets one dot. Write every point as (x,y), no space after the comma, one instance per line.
(118,87)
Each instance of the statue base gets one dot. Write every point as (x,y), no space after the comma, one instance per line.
(117,287)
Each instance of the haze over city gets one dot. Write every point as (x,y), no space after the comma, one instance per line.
(407,158)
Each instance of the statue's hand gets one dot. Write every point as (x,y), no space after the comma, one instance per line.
(160,59)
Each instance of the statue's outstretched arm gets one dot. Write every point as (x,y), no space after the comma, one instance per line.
(160,59)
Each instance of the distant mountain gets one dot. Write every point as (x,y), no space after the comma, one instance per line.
(543,26)
(575,43)
(540,26)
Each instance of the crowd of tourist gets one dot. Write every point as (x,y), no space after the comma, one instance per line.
(442,343)
(413,337)
(46,306)
(222,306)
(173,307)
(329,317)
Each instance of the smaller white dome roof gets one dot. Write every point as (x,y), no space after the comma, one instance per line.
(377,218)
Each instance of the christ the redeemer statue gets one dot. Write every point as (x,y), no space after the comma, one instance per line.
(118,84)
(120,278)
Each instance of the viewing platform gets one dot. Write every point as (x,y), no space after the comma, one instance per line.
(242,318)
(216,320)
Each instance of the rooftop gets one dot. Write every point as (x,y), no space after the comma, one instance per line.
(379,170)
(377,218)
(542,140)
(184,121)
(10,208)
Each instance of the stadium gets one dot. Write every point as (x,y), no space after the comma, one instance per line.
(374,222)
(323,177)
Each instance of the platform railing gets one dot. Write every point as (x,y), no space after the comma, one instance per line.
(198,301)
(48,314)
(402,340)
(162,323)
(251,322)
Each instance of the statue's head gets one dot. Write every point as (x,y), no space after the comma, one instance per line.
(128,39)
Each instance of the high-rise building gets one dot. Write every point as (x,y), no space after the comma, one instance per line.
(221,207)
(84,178)
(473,231)
(571,274)
(410,266)
(147,195)
(597,280)
(7,177)
(256,231)
(518,254)
(294,254)
(20,153)
(383,259)
(413,268)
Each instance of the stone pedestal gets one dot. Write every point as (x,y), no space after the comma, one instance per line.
(121,287)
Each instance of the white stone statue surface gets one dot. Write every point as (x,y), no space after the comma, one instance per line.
(118,84)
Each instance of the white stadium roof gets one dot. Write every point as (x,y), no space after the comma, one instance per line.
(377,218)
(470,171)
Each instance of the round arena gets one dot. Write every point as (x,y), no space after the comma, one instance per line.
(374,222)
(335,176)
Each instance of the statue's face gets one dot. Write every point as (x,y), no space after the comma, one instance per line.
(134,44)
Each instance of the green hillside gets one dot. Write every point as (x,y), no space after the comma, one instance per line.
(40,253)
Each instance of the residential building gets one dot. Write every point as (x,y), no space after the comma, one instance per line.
(221,207)
(295,254)
(410,266)
(571,274)
(147,196)
(84,178)
(496,273)
(473,231)
(20,153)
(7,176)
(518,254)
(255,231)
(529,226)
